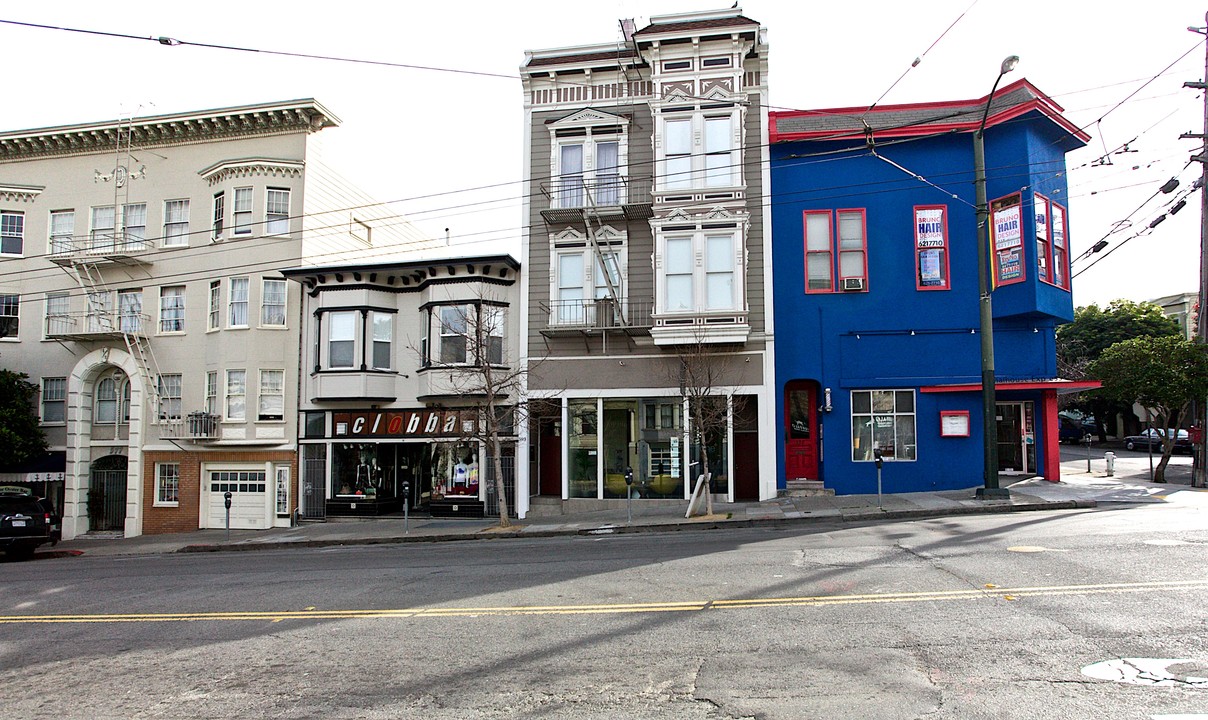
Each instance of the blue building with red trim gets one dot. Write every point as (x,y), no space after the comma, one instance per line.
(876,289)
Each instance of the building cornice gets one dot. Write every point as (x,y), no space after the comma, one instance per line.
(156,131)
(19,193)
(252,167)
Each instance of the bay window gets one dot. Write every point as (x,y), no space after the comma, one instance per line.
(701,272)
(383,333)
(236,394)
(341,339)
(276,211)
(699,148)
(237,302)
(466,334)
(272,395)
(243,211)
(453,333)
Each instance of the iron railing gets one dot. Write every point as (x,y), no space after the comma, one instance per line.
(600,313)
(576,191)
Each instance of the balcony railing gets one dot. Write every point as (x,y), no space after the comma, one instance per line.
(604,194)
(121,248)
(600,314)
(195,426)
(96,325)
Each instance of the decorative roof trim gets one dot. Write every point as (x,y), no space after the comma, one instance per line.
(20,193)
(589,117)
(252,167)
(209,125)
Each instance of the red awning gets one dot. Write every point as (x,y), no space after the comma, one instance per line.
(1062,387)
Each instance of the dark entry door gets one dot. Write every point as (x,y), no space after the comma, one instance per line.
(549,457)
(1011,456)
(746,447)
(107,494)
(801,430)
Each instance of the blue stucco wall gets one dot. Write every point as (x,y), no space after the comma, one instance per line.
(895,336)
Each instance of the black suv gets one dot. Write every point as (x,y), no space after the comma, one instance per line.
(25,522)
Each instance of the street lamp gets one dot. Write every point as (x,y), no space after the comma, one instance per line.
(990,489)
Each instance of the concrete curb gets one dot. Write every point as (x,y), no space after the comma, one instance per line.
(859,516)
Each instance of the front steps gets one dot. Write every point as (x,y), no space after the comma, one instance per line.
(806,488)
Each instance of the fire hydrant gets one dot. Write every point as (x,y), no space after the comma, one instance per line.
(1110,457)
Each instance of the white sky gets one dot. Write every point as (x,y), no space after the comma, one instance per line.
(410,134)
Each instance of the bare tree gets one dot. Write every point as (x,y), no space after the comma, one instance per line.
(702,374)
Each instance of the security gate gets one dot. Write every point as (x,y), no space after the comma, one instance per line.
(107,494)
(314,482)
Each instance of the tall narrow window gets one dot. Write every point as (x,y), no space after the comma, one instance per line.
(677,154)
(819,258)
(678,271)
(105,408)
(215,317)
(236,395)
(134,226)
(1061,274)
(100,312)
(12,233)
(853,262)
(570,178)
(130,311)
(101,236)
(167,483)
(176,223)
(237,303)
(243,211)
(492,327)
(272,395)
(58,314)
(10,316)
(383,331)
(1044,253)
(62,232)
(570,289)
(719,272)
(276,211)
(453,328)
(1006,233)
(272,303)
(608,176)
(169,397)
(54,400)
(931,247)
(719,160)
(211,401)
(341,339)
(219,214)
(172,309)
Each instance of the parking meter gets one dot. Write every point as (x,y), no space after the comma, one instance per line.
(226,500)
(629,493)
(876,455)
(406,505)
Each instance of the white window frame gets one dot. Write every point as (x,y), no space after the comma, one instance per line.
(700,164)
(176,223)
(276,212)
(237,300)
(120,401)
(171,387)
(281,473)
(102,226)
(12,230)
(167,485)
(235,396)
(171,309)
(586,283)
(211,392)
(241,211)
(54,392)
(62,232)
(10,307)
(344,332)
(447,326)
(134,226)
(214,318)
(130,312)
(58,313)
(271,388)
(382,327)
(589,130)
(273,320)
(218,224)
(702,266)
(493,321)
(862,454)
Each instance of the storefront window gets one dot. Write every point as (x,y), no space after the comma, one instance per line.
(714,416)
(620,450)
(363,471)
(583,446)
(455,470)
(659,470)
(882,420)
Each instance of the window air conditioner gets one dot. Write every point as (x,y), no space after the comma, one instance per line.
(852,284)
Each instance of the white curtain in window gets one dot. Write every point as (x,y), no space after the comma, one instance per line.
(130,310)
(176,222)
(570,288)
(236,394)
(102,228)
(851,245)
(678,263)
(172,309)
(62,232)
(238,300)
(607,175)
(677,150)
(341,339)
(719,272)
(134,225)
(272,394)
(276,210)
(570,171)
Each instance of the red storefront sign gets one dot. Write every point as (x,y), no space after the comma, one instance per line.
(404,423)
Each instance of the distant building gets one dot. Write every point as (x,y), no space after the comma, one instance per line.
(1181,308)
(139,270)
(876,289)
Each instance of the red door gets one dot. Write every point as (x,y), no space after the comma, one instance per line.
(801,430)
(549,456)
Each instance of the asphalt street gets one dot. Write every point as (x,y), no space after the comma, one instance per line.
(958,617)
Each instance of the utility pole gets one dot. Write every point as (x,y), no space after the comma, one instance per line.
(1200,451)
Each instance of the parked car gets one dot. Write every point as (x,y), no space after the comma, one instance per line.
(1070,431)
(1151,438)
(26,522)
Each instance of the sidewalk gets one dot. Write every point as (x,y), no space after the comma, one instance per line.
(1077,489)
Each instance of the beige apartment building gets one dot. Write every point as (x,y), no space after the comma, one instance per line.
(647,253)
(140,277)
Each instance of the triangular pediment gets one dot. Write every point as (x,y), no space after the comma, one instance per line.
(568,235)
(590,116)
(608,233)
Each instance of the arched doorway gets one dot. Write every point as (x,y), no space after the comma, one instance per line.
(107,494)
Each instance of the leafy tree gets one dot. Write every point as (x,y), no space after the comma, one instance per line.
(1162,374)
(1081,342)
(20,434)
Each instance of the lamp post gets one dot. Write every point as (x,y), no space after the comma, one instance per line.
(990,489)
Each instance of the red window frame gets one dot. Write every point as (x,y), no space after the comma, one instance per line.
(1061,257)
(1000,255)
(839,251)
(946,279)
(962,415)
(829,251)
(1044,238)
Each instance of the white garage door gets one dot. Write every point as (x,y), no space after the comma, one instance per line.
(249,498)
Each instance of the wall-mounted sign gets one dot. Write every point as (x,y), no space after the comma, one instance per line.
(1006,235)
(954,423)
(1006,228)
(931,246)
(403,423)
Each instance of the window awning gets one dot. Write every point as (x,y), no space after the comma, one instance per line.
(1062,386)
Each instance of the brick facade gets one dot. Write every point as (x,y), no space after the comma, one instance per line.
(186,515)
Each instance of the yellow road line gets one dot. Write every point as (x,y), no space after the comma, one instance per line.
(996,593)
